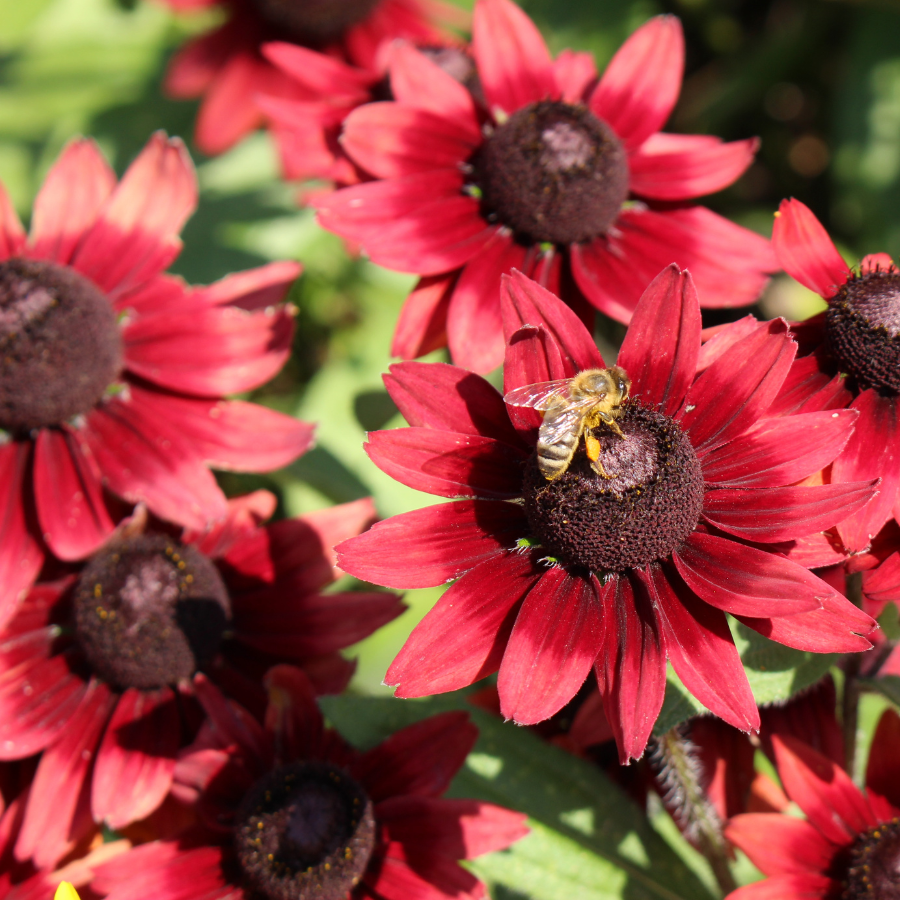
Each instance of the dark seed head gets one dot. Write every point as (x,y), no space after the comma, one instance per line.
(313,22)
(304,832)
(644,510)
(149,612)
(873,872)
(863,330)
(553,172)
(60,344)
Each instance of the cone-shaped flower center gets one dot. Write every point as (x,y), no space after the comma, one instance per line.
(60,344)
(643,506)
(149,612)
(552,172)
(313,22)
(863,328)
(874,870)
(304,832)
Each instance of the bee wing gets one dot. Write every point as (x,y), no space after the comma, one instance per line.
(563,421)
(539,396)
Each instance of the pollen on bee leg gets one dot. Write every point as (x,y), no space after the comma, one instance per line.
(592,447)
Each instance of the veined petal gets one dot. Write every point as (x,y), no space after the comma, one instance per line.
(422,324)
(780,845)
(787,887)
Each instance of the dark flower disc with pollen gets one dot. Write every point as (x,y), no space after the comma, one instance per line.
(874,870)
(60,345)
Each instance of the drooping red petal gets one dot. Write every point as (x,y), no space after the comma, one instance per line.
(882,584)
(428,877)
(743,580)
(448,464)
(811,387)
(639,88)
(881,768)
(769,515)
(253,289)
(554,642)
(805,251)
(245,515)
(68,494)
(319,74)
(293,718)
(780,451)
(631,666)
(422,324)
(434,545)
(514,64)
(464,636)
(21,554)
(67,205)
(823,790)
(662,344)
(231,723)
(738,388)
(781,845)
(679,167)
(12,234)
(419,759)
(787,887)
(702,651)
(136,232)
(532,356)
(718,338)
(136,759)
(873,451)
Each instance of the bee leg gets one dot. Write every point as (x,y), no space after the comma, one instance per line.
(592,448)
(610,421)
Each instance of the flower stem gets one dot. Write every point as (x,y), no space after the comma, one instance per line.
(850,699)
(680,775)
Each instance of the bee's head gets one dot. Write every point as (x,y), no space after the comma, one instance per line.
(621,383)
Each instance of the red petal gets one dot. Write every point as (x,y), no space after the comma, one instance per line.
(420,759)
(136,759)
(883,583)
(701,649)
(639,88)
(805,251)
(525,302)
(769,515)
(447,398)
(391,140)
(69,498)
(319,74)
(823,790)
(253,289)
(553,645)
(738,387)
(678,167)
(744,580)
(140,462)
(881,768)
(136,234)
(12,234)
(231,723)
(22,555)
(781,450)
(514,65)
(810,387)
(448,464)
(463,638)
(718,338)
(875,262)
(193,68)
(663,341)
(245,515)
(787,887)
(422,324)
(873,451)
(457,829)
(780,845)
(292,715)
(433,545)
(58,804)
(429,877)
(474,323)
(68,203)
(631,667)
(575,74)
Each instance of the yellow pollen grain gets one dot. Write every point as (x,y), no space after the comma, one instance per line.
(98,591)
(101,612)
(189,579)
(182,564)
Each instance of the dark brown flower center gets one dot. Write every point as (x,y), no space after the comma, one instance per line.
(149,612)
(304,832)
(313,22)
(552,172)
(60,344)
(874,869)
(863,330)
(644,509)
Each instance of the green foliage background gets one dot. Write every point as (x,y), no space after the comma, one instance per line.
(817,80)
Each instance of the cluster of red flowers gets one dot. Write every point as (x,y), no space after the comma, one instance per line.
(162,647)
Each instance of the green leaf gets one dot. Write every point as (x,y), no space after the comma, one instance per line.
(588,840)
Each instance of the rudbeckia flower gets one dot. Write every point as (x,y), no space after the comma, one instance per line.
(558,174)
(690,520)
(97,670)
(113,373)
(298,814)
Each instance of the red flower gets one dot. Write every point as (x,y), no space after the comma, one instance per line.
(226,66)
(539,180)
(849,845)
(336,823)
(130,401)
(621,572)
(91,668)
(850,357)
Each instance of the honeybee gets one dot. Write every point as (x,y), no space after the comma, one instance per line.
(572,407)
